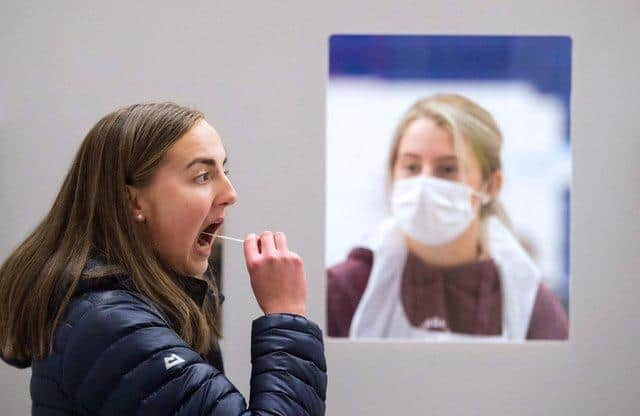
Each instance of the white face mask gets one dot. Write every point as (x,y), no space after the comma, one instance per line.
(433,211)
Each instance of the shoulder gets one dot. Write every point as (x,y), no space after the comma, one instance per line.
(346,283)
(548,318)
(98,307)
(353,273)
(101,317)
(103,320)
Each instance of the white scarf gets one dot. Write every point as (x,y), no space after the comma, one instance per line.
(380,313)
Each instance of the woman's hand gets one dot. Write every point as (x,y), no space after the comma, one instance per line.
(277,274)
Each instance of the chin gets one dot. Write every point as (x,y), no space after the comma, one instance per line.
(199,268)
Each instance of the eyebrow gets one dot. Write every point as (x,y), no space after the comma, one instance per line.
(417,156)
(447,157)
(206,161)
(411,155)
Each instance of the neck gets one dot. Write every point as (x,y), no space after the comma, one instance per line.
(462,250)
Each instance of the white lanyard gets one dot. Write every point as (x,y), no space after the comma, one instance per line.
(380,313)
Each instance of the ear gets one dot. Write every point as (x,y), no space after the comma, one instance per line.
(495,184)
(134,197)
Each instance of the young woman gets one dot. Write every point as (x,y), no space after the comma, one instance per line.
(111,302)
(444,265)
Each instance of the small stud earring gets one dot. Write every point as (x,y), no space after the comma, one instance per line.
(139,217)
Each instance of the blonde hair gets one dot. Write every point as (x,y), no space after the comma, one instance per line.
(468,123)
(91,216)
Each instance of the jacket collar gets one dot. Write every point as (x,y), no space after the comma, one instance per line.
(98,274)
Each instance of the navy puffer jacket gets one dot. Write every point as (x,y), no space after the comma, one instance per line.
(115,354)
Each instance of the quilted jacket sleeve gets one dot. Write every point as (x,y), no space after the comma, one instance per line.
(121,358)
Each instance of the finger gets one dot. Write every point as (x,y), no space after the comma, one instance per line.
(268,245)
(281,242)
(250,247)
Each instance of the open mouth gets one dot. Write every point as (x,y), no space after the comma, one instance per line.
(205,238)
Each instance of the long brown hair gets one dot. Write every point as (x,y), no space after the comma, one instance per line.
(90,216)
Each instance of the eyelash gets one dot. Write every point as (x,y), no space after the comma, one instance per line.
(413,168)
(446,170)
(200,176)
(449,170)
(226,173)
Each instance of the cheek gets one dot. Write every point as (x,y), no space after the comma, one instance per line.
(476,181)
(471,180)
(471,173)
(179,217)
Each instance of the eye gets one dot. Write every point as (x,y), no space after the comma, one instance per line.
(413,168)
(447,170)
(203,177)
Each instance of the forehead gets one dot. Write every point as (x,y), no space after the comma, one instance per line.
(424,137)
(201,141)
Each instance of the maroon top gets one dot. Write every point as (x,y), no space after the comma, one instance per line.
(464,299)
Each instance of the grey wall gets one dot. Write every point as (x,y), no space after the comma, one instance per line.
(258,69)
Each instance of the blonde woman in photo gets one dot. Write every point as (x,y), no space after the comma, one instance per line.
(445,264)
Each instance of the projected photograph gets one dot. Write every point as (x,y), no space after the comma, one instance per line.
(448,183)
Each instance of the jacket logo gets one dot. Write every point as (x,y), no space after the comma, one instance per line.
(172,361)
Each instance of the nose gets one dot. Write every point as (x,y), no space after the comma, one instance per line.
(228,196)
(427,171)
